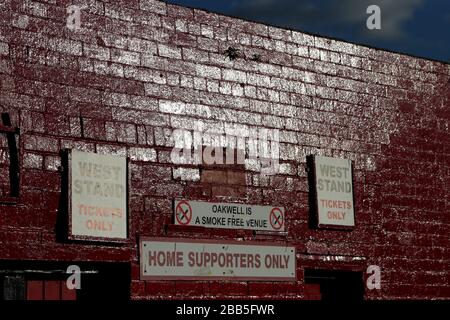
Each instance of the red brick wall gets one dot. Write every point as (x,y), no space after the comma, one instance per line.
(103,89)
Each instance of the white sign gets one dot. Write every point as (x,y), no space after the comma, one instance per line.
(229,215)
(334,191)
(177,259)
(98,196)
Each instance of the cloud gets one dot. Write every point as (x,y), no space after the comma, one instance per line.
(341,16)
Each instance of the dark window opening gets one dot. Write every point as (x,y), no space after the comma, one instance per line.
(9,160)
(13,287)
(334,285)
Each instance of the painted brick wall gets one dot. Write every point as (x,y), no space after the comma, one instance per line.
(140,68)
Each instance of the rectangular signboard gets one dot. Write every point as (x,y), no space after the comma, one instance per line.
(177,259)
(333,179)
(97,196)
(228,215)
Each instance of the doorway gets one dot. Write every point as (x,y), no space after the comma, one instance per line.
(45,280)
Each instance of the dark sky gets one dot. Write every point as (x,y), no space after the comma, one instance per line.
(416,27)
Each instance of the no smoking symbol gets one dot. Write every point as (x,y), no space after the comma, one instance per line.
(183,212)
(276,218)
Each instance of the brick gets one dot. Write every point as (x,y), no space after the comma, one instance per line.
(186,81)
(287,168)
(302,39)
(228,289)
(169,51)
(236,178)
(41,143)
(140,117)
(81,94)
(280,34)
(207,44)
(237,90)
(106,68)
(163,136)
(159,91)
(225,88)
(258,80)
(186,174)
(195,55)
(52,163)
(32,161)
(118,13)
(35,8)
(142,154)
(214,176)
(125,57)
(160,288)
(207,31)
(4,49)
(174,107)
(20,21)
(47,181)
(153,6)
(96,52)
(260,288)
(141,45)
(169,191)
(180,12)
(222,191)
(78,145)
(144,103)
(200,84)
(208,72)
(66,46)
(234,75)
(116,99)
(121,132)
(93,128)
(189,289)
(111,150)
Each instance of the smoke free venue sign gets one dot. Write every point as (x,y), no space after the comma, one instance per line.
(229,215)
(334,191)
(98,195)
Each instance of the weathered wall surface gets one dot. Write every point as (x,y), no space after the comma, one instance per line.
(139,69)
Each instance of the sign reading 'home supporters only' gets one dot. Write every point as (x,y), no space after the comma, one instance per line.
(179,259)
(97,196)
(334,191)
(229,215)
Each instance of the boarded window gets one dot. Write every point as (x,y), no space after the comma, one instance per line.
(49,290)
(227,176)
